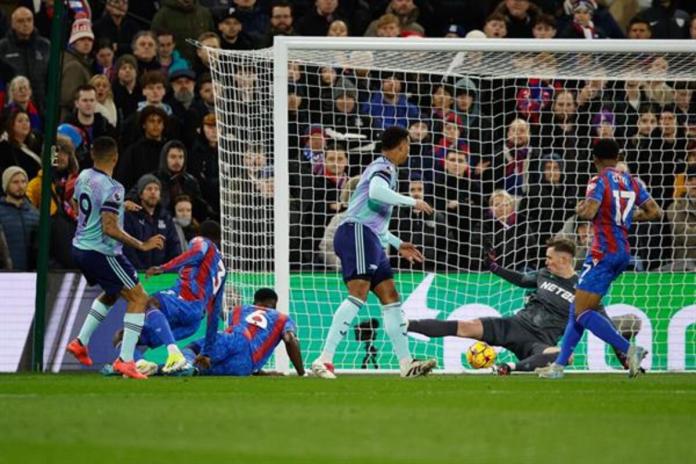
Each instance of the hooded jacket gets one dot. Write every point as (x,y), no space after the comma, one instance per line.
(187,19)
(77,71)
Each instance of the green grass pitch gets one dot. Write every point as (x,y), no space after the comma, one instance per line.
(84,418)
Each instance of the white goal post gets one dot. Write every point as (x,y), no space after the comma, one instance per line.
(280,240)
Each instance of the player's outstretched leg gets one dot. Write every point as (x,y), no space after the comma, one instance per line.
(133,321)
(343,317)
(395,324)
(434,328)
(97,313)
(156,320)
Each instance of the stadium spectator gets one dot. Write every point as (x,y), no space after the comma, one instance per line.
(582,25)
(390,106)
(127,91)
(406,12)
(176,180)
(167,55)
(682,216)
(143,156)
(667,20)
(27,52)
(116,26)
(338,28)
(452,199)
(201,62)
(19,219)
(316,21)
(63,176)
(185,19)
(495,26)
(232,33)
(657,89)
(645,124)
(183,84)
(149,220)
(204,163)
(281,22)
(467,107)
(505,231)
(518,154)
(88,121)
(534,98)
(104,58)
(683,102)
(20,146)
(253,17)
(19,97)
(451,139)
(77,64)
(420,157)
(185,224)
(441,103)
(639,28)
(105,99)
(664,159)
(519,16)
(387,25)
(145,52)
(544,27)
(326,247)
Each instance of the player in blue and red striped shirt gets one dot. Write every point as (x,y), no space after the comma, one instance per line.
(253,332)
(197,293)
(613,201)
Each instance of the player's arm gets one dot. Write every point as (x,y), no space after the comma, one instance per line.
(292,346)
(214,311)
(192,256)
(111,229)
(380,191)
(587,209)
(519,279)
(648,211)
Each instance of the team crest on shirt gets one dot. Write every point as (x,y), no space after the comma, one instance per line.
(117,196)
(257,318)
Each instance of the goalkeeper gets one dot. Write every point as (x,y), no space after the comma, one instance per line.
(532,333)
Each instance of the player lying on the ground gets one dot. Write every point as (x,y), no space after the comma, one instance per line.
(532,333)
(613,201)
(176,313)
(252,334)
(97,251)
(360,243)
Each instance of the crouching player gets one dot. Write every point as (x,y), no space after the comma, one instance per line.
(533,332)
(252,334)
(176,313)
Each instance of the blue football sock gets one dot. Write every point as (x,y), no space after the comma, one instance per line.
(571,337)
(155,319)
(602,328)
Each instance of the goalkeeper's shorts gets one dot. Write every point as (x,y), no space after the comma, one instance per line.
(362,255)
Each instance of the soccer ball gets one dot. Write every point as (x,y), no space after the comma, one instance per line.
(480,355)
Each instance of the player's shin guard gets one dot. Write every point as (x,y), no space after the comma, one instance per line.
(132,326)
(534,361)
(95,316)
(571,337)
(603,329)
(433,327)
(159,323)
(395,325)
(343,317)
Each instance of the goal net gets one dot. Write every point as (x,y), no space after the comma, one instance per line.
(501,142)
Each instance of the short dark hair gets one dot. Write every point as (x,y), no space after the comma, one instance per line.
(265,295)
(150,110)
(562,244)
(152,78)
(639,20)
(211,230)
(83,88)
(393,136)
(103,148)
(546,19)
(282,4)
(164,32)
(495,16)
(606,149)
(181,198)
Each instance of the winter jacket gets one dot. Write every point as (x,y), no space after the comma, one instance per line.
(384,114)
(141,225)
(61,194)
(408,23)
(30,59)
(121,35)
(667,22)
(77,71)
(139,159)
(26,157)
(20,225)
(186,22)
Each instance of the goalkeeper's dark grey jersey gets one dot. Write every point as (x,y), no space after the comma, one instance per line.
(546,311)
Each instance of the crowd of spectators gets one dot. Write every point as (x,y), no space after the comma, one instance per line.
(503,162)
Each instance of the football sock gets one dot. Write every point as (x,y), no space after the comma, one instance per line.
(94,317)
(534,361)
(156,319)
(571,337)
(132,326)
(604,329)
(342,319)
(433,327)
(395,325)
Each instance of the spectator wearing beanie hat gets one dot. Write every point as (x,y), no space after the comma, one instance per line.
(151,219)
(77,64)
(19,219)
(582,26)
